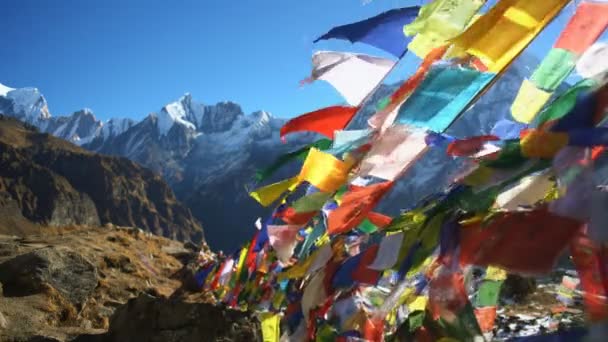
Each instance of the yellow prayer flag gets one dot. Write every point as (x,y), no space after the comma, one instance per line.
(541,144)
(419,303)
(299,269)
(478,177)
(439,21)
(268,194)
(502,33)
(270,326)
(529,101)
(495,273)
(241,260)
(324,171)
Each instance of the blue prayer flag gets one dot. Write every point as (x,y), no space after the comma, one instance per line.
(442,96)
(384,31)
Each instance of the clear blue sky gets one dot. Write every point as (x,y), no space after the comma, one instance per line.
(128,58)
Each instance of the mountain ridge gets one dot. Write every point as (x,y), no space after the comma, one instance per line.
(209,153)
(47,181)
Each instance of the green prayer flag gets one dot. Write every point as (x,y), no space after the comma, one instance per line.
(510,156)
(564,103)
(310,203)
(367,227)
(415,320)
(554,69)
(488,293)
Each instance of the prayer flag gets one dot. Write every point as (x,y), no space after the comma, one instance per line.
(443,95)
(384,31)
(439,21)
(354,76)
(584,28)
(356,204)
(506,29)
(395,151)
(323,121)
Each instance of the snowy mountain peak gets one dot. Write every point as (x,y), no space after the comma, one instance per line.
(26,104)
(4,89)
(175,113)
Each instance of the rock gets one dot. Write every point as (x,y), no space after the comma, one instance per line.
(147,318)
(66,271)
(517,288)
(3,322)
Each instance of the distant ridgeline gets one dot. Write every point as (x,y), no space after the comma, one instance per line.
(326,265)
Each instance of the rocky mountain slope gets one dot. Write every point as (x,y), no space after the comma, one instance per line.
(107,284)
(209,153)
(48,181)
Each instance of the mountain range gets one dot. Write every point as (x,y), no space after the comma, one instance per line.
(208,154)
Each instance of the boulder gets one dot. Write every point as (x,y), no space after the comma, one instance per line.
(151,319)
(66,271)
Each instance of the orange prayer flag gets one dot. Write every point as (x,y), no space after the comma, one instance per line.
(323,121)
(486,317)
(585,27)
(355,207)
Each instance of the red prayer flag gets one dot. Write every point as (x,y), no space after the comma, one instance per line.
(356,204)
(526,242)
(373,330)
(379,220)
(323,121)
(587,24)
(469,146)
(362,273)
(591,263)
(290,216)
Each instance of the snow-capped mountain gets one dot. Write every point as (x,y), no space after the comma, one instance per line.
(80,128)
(209,153)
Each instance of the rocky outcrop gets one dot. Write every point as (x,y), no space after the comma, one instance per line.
(66,271)
(52,182)
(150,319)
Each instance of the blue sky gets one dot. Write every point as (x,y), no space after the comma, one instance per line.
(129,58)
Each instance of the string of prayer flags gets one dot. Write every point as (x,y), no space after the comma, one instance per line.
(384,31)
(323,121)
(443,95)
(588,22)
(353,75)
(438,22)
(516,22)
